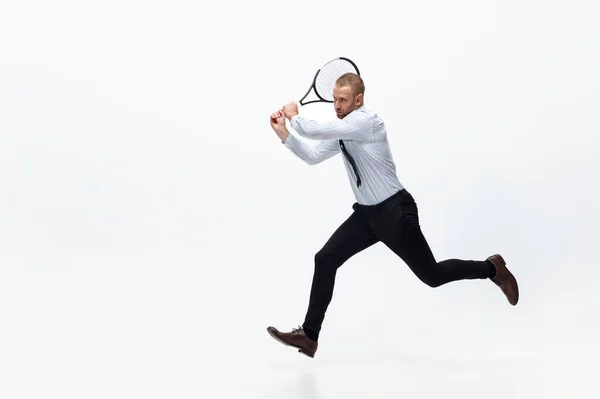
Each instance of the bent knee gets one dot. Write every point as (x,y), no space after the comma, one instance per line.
(325,260)
(432,281)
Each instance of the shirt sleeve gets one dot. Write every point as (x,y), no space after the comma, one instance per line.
(353,127)
(312,154)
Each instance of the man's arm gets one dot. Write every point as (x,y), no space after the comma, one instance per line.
(311,154)
(331,130)
(356,126)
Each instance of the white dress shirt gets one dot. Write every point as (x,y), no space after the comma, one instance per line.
(365,139)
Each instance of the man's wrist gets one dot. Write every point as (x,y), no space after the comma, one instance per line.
(283,135)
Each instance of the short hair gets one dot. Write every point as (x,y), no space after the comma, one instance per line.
(353,80)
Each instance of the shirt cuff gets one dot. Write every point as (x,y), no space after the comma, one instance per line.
(293,120)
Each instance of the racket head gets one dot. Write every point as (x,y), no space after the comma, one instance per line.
(325,78)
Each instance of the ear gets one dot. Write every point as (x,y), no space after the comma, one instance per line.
(359,100)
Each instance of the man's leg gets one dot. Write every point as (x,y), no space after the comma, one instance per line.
(398,228)
(351,237)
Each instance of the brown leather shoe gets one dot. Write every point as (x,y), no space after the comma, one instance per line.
(505,279)
(296,338)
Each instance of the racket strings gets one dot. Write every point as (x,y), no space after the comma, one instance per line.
(325,81)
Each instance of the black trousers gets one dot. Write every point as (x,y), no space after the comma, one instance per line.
(395,222)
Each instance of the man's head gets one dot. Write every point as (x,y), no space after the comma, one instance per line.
(348,94)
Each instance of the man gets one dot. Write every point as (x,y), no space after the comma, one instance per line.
(384,210)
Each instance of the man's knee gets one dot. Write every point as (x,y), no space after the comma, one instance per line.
(432,280)
(326,261)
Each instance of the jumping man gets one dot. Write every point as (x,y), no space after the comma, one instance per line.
(384,210)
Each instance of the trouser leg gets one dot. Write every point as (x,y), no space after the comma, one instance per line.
(351,237)
(397,226)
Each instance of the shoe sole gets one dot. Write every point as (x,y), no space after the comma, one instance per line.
(304,351)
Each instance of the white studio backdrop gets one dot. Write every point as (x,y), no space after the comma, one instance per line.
(152,225)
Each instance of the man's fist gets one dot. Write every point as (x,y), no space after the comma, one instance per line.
(278,124)
(278,120)
(290,109)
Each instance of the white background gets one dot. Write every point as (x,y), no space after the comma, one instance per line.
(152,225)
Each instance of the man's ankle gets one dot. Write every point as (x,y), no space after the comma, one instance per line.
(491,268)
(312,335)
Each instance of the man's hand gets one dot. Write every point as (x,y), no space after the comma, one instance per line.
(290,109)
(278,124)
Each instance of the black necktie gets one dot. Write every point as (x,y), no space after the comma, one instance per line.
(351,160)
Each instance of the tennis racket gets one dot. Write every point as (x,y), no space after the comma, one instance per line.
(324,80)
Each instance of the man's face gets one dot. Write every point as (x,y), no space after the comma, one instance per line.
(344,102)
